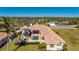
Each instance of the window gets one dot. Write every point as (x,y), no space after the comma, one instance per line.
(59,44)
(42,38)
(35,31)
(51,45)
(35,38)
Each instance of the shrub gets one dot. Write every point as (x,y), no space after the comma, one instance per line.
(65,47)
(33,43)
(42,45)
(77,26)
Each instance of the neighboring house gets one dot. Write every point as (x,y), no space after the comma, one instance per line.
(29,23)
(3,35)
(63,23)
(42,33)
(4,39)
(53,23)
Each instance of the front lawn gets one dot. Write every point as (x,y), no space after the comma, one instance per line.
(32,47)
(12,46)
(27,48)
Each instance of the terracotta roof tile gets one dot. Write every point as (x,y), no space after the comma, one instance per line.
(3,35)
(49,35)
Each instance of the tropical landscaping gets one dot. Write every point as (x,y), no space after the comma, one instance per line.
(9,25)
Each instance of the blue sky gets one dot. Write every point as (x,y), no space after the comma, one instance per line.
(39,11)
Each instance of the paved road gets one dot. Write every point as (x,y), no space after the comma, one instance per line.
(64,27)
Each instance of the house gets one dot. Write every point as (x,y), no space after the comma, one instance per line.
(42,33)
(63,22)
(4,39)
(3,35)
(53,23)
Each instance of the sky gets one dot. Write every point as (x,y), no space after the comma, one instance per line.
(40,11)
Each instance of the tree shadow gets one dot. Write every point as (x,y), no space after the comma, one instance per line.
(19,45)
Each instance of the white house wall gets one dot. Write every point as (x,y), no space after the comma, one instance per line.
(55,48)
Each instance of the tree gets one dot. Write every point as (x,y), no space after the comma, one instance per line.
(7,25)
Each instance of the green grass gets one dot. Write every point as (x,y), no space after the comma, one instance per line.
(13,47)
(10,45)
(4,48)
(77,26)
(32,47)
(71,37)
(28,48)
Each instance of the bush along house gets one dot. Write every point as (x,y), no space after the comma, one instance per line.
(43,34)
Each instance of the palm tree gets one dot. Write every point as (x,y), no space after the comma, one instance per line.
(7,24)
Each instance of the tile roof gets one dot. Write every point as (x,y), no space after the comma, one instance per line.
(49,35)
(3,35)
